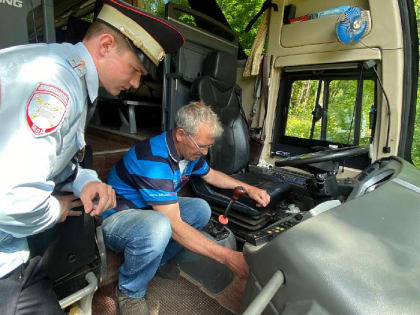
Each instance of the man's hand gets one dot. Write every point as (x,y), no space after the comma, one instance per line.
(67,203)
(101,191)
(259,195)
(236,262)
(221,180)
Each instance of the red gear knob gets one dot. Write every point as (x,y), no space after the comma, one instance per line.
(237,192)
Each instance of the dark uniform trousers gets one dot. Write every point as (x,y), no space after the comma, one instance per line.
(28,290)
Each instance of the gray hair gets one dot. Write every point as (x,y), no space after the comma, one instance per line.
(190,116)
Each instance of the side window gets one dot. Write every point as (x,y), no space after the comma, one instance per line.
(331,110)
(239,14)
(158,7)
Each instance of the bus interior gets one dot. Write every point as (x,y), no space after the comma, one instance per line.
(324,125)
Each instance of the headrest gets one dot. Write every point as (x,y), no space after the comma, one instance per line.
(76,30)
(151,35)
(221,66)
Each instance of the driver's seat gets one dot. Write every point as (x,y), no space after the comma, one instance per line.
(217,88)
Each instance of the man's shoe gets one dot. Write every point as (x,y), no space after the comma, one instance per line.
(131,306)
(168,271)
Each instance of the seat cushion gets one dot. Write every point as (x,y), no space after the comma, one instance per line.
(276,188)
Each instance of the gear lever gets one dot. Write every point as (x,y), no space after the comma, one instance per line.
(237,192)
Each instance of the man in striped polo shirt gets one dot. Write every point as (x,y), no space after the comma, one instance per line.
(151,223)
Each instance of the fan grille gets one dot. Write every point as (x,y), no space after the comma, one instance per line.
(352,25)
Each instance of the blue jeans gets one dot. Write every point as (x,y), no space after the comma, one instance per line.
(145,238)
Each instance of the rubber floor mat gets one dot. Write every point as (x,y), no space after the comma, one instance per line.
(165,297)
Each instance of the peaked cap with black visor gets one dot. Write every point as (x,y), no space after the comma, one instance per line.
(150,37)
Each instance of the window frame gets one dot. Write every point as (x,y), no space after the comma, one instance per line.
(294,145)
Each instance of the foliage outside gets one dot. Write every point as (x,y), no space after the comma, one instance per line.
(239,13)
(340,117)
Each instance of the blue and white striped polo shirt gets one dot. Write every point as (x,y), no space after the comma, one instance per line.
(149,174)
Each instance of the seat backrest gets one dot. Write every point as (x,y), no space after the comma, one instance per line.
(76,30)
(202,35)
(218,89)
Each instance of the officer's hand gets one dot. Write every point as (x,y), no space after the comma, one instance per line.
(100,191)
(67,203)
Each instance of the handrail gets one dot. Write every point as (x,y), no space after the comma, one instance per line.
(171,8)
(261,301)
(78,295)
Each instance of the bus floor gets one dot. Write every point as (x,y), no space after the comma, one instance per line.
(165,297)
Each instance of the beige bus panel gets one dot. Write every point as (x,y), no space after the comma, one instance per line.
(391,73)
(383,44)
(306,7)
(247,87)
(302,37)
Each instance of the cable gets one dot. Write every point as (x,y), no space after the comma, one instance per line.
(366,46)
(34,23)
(371,64)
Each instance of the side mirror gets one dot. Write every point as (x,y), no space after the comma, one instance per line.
(317,113)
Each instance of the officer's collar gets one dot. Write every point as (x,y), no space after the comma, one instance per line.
(92,81)
(171,146)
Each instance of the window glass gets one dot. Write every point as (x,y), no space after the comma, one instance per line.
(299,120)
(186,18)
(340,122)
(368,102)
(332,117)
(157,7)
(238,13)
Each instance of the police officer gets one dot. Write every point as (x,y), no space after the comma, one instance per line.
(43,107)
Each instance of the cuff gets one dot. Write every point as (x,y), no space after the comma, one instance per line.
(84,176)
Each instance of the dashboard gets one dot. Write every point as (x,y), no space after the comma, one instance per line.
(367,181)
(360,256)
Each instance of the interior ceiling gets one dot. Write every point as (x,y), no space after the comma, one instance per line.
(65,8)
(79,8)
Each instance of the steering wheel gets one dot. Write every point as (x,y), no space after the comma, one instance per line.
(323,156)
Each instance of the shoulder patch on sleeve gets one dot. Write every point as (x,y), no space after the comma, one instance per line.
(45,109)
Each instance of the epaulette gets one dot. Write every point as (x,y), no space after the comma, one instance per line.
(78,65)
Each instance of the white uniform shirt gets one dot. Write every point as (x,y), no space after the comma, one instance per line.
(43,96)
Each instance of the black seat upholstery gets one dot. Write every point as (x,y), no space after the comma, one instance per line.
(217,88)
(72,249)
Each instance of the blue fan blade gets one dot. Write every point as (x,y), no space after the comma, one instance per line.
(343,33)
(353,14)
(344,29)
